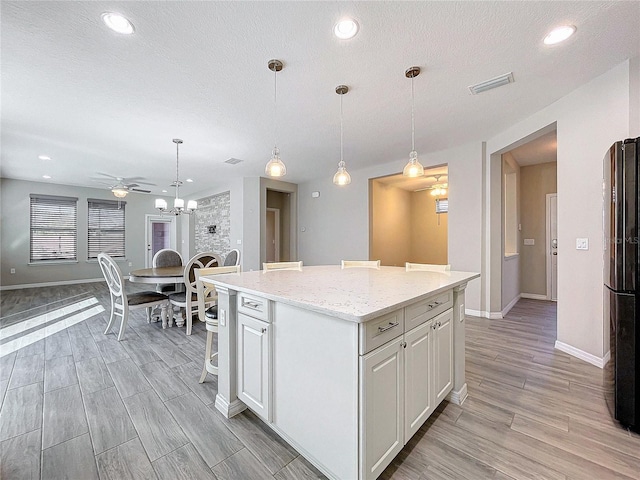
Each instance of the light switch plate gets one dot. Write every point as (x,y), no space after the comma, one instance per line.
(582,244)
(529,241)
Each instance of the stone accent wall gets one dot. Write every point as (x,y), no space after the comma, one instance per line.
(214,210)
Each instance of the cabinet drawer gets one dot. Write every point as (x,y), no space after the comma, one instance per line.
(425,310)
(255,307)
(380,330)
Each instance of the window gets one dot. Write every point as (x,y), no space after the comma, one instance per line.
(106,228)
(442,205)
(54,230)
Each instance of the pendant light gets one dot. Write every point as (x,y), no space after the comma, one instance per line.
(341,177)
(413,168)
(178,203)
(275,167)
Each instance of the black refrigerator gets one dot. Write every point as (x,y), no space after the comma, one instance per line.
(622,281)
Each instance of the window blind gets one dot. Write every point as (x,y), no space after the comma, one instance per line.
(54,229)
(106,228)
(442,205)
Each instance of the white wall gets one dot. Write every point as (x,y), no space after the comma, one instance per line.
(15,235)
(588,120)
(336,224)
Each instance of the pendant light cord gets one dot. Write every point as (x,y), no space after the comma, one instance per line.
(275,106)
(413,128)
(177,160)
(341,133)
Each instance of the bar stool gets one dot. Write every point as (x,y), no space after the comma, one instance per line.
(207,298)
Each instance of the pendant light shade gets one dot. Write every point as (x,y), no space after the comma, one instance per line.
(341,177)
(275,167)
(414,168)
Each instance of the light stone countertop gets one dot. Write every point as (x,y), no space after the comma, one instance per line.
(353,294)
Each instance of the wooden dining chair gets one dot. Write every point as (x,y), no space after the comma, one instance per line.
(208,312)
(360,263)
(426,267)
(268,267)
(121,303)
(187,300)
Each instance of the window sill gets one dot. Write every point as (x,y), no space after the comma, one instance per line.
(51,262)
(511,256)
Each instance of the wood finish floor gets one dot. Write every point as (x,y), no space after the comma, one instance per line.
(77,404)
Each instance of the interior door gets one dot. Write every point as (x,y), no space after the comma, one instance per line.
(552,246)
(160,233)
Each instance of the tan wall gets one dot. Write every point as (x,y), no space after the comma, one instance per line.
(428,238)
(536,181)
(390,224)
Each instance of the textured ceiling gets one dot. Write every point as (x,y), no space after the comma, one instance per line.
(95,101)
(541,150)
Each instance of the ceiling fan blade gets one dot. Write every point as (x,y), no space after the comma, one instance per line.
(107,175)
(131,185)
(140,190)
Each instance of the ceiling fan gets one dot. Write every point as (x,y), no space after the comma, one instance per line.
(437,189)
(123,185)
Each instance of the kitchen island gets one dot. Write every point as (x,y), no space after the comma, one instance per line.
(344,364)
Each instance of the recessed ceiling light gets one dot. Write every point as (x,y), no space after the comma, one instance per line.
(164,191)
(117,23)
(346,28)
(189,180)
(559,34)
(46,176)
(44,157)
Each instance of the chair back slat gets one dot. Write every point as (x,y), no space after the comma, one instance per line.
(112,274)
(206,293)
(360,263)
(267,267)
(427,267)
(200,260)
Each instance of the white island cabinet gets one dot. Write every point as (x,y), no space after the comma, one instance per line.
(344,364)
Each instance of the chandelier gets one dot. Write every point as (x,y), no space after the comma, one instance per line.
(413,168)
(178,203)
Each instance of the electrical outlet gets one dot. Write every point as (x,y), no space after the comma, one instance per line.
(239,242)
(131,264)
(13,270)
(223,318)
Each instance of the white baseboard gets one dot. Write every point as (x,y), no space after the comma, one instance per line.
(483,314)
(506,309)
(582,355)
(533,296)
(458,397)
(229,409)
(50,284)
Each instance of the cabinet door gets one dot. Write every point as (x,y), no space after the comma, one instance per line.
(382,405)
(253,364)
(443,355)
(419,396)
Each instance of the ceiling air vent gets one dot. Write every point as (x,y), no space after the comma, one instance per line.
(493,83)
(233,161)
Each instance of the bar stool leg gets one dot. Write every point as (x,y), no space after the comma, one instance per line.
(207,355)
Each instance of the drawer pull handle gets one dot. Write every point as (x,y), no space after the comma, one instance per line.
(249,304)
(264,330)
(388,327)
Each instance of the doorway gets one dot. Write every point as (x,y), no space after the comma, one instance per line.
(408,218)
(160,232)
(278,227)
(552,246)
(273,235)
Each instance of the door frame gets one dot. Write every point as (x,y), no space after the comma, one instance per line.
(173,239)
(547,247)
(276,227)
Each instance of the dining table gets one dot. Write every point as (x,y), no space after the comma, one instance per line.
(161,275)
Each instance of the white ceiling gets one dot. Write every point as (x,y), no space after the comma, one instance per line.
(540,150)
(95,101)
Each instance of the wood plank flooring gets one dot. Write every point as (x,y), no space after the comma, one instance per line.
(77,404)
